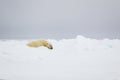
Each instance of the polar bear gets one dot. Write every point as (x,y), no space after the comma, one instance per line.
(38,43)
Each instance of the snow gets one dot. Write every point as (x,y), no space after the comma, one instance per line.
(71,59)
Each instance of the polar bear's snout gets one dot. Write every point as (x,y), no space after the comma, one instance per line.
(50,46)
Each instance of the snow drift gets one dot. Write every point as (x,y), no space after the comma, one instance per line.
(71,59)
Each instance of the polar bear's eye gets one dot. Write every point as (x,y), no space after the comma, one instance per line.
(45,44)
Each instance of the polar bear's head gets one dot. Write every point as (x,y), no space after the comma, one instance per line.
(39,43)
(46,44)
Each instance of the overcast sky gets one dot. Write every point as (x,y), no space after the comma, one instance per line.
(23,19)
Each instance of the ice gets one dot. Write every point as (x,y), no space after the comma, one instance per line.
(71,59)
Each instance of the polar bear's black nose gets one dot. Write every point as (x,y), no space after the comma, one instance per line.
(51,47)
